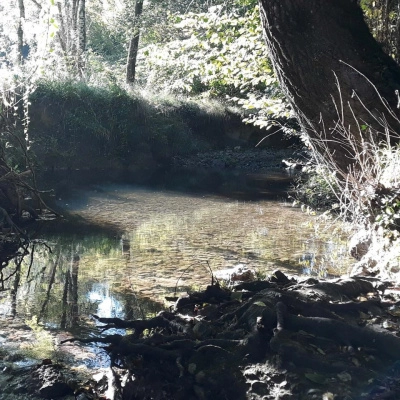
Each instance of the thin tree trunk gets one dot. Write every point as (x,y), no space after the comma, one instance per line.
(81,36)
(74,270)
(14,290)
(62,35)
(134,45)
(63,322)
(331,69)
(397,38)
(20,31)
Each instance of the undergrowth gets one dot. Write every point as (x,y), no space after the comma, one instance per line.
(74,125)
(367,194)
(313,188)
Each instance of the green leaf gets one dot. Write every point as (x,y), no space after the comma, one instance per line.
(389,210)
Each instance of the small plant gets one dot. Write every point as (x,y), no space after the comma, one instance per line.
(368,193)
(388,215)
(43,346)
(316,189)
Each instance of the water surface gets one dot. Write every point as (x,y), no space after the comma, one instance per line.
(138,245)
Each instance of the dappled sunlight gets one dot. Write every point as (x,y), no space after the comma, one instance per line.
(170,240)
(168,244)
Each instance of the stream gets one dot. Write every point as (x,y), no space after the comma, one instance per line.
(123,248)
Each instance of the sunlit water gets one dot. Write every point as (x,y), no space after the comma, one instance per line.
(156,243)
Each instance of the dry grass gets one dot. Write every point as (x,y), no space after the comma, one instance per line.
(368,193)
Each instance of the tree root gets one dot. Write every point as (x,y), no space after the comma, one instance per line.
(283,322)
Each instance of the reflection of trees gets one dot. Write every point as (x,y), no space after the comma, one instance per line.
(70,295)
(126,247)
(15,289)
(18,259)
(50,285)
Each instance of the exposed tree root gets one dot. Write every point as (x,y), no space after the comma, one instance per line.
(201,354)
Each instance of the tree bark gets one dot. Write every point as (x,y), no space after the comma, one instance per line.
(134,45)
(20,31)
(397,33)
(334,74)
(81,21)
(72,33)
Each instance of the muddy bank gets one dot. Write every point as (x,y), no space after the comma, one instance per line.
(282,338)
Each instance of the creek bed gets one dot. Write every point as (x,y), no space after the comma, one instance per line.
(125,247)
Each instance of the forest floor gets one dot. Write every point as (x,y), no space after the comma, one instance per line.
(281,338)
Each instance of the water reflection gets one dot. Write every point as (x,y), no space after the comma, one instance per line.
(107,305)
(70,295)
(167,241)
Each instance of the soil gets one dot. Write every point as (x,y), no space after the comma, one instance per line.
(281,338)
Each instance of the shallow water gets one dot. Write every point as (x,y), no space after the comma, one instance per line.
(138,245)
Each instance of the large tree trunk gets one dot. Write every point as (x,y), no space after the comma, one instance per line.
(332,70)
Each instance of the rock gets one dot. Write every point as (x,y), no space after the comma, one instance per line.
(202,330)
(51,381)
(279,277)
(252,374)
(292,166)
(344,376)
(239,273)
(359,244)
(54,390)
(192,368)
(260,388)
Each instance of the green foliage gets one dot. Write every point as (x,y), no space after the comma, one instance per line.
(382,17)
(75,125)
(369,198)
(388,215)
(210,48)
(316,189)
(106,40)
(219,53)
(92,124)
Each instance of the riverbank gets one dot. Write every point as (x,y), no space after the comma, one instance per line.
(243,159)
(278,338)
(76,126)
